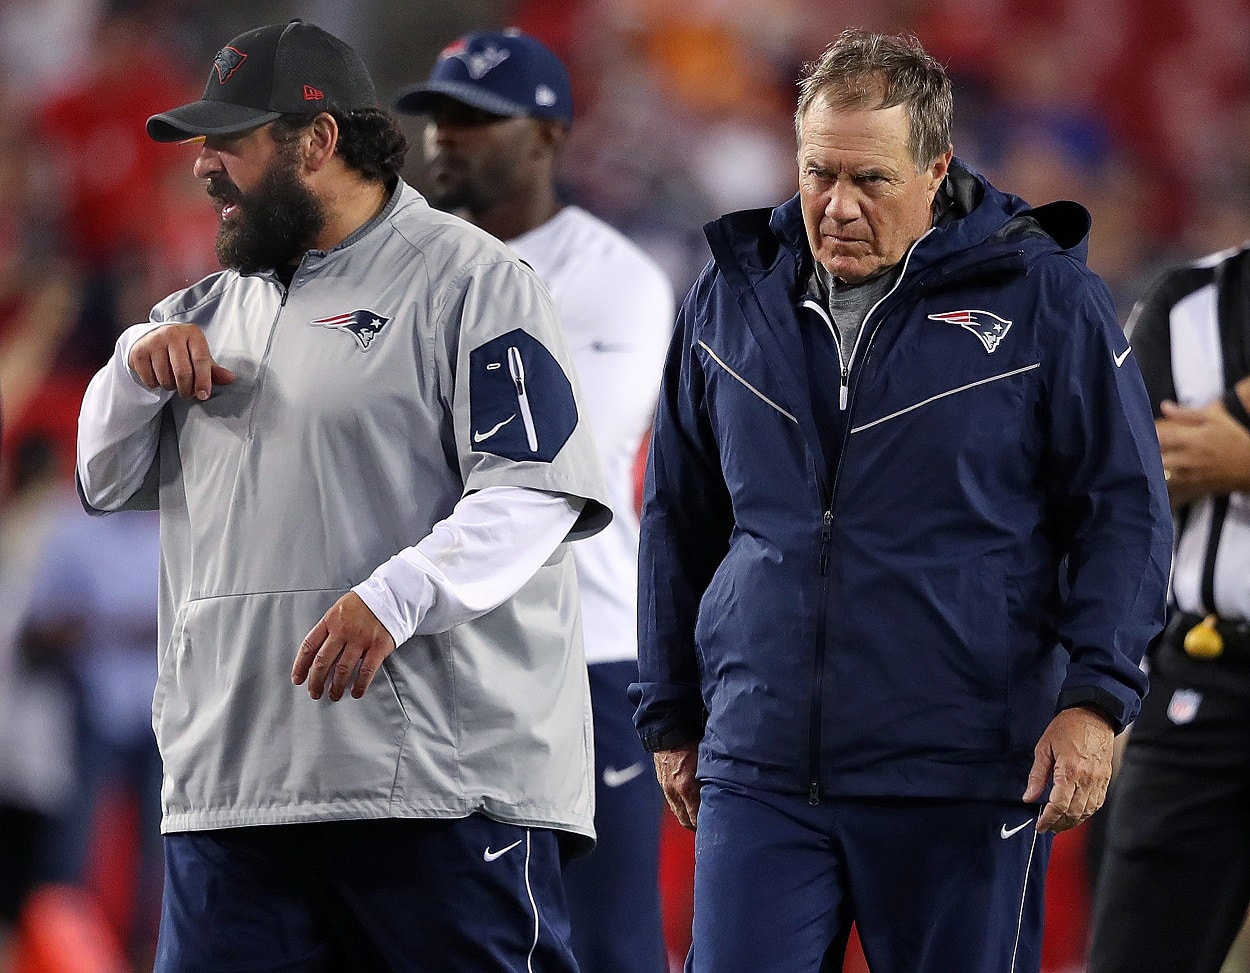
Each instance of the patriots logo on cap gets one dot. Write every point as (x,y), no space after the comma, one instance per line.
(227,61)
(990,328)
(363,324)
(480,63)
(454,48)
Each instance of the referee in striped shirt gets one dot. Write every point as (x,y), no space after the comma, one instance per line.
(1175,882)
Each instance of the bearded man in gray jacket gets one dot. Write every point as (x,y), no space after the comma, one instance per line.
(365,443)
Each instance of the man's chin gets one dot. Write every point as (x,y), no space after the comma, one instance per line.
(232,256)
(850,270)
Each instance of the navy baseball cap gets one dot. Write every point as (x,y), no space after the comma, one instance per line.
(501,72)
(267,72)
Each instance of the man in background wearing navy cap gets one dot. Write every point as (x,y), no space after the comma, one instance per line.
(367,456)
(498,108)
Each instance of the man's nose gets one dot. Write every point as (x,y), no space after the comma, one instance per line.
(843,204)
(206,163)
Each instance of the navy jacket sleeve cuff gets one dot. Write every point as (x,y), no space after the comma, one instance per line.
(671,737)
(1112,708)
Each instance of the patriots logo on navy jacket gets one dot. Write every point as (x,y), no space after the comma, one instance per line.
(363,324)
(990,328)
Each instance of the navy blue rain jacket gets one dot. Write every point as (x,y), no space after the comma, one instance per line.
(889,585)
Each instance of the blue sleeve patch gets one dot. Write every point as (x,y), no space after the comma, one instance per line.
(521,403)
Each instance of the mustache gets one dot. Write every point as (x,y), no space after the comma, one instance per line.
(223,189)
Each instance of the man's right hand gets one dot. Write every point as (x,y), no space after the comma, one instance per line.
(675,769)
(175,357)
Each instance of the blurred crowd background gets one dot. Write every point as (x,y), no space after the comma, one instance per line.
(1139,109)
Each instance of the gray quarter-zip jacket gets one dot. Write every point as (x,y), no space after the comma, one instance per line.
(371,396)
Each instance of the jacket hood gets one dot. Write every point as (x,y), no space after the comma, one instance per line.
(973,222)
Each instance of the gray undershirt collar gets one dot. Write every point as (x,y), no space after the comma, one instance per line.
(849,304)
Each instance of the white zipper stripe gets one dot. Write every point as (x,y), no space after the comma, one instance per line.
(813,305)
(942,395)
(1023,897)
(717,359)
(529,960)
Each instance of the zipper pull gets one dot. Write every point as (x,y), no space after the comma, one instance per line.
(845,391)
(813,794)
(826,532)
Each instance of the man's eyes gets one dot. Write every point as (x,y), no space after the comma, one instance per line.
(863,179)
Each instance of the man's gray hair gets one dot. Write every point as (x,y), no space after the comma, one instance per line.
(862,70)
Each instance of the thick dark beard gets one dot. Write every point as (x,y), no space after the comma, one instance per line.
(274,223)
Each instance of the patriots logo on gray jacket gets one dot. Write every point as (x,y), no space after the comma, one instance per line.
(990,328)
(363,324)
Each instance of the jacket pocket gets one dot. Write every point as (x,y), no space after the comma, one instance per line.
(236,734)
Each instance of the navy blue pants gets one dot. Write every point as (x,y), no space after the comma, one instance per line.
(614,895)
(932,886)
(436,896)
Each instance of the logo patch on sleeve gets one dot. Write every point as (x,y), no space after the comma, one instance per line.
(362,324)
(521,404)
(989,327)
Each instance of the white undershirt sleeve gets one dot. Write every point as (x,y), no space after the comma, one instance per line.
(118,427)
(481,555)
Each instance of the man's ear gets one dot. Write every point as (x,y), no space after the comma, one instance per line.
(937,172)
(319,142)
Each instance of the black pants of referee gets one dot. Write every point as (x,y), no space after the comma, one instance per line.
(1175,881)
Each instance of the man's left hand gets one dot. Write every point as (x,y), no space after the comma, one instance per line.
(346,647)
(1076,751)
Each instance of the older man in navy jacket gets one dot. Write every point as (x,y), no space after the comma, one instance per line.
(905,538)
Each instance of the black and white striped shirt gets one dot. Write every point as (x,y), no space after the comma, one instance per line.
(1191,337)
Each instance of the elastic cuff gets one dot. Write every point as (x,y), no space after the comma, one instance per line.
(380,600)
(1106,703)
(681,735)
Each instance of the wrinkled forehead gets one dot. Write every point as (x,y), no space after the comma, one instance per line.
(880,128)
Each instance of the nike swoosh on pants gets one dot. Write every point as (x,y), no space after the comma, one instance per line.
(612,777)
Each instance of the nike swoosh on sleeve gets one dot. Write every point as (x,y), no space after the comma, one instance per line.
(481,436)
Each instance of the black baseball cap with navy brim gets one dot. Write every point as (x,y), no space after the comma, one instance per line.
(502,72)
(283,68)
